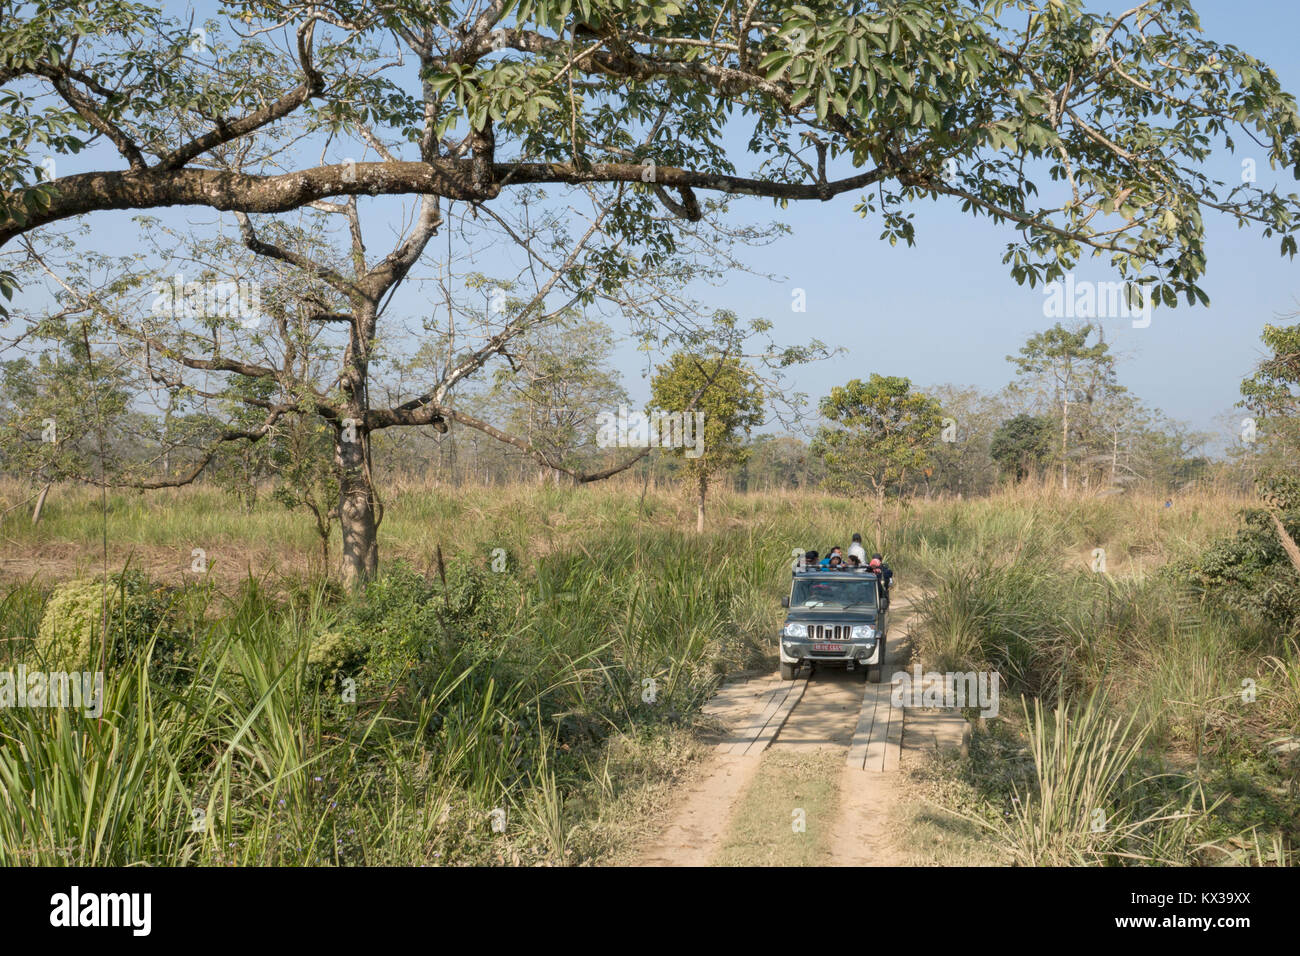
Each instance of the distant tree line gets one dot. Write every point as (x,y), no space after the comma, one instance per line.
(67,413)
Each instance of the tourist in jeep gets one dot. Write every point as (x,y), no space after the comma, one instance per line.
(856,550)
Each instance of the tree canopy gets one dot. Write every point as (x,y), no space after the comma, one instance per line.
(1087,133)
(880,431)
(1022,445)
(724,398)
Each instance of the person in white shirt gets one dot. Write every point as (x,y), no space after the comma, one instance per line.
(857,548)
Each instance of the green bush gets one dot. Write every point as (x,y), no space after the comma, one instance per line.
(1250,571)
(334,654)
(404,626)
(138,614)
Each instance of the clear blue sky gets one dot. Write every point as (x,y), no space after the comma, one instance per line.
(946,310)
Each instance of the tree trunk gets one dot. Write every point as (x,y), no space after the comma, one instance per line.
(1065,446)
(1114,457)
(325,553)
(40,503)
(699,508)
(356,510)
(880,519)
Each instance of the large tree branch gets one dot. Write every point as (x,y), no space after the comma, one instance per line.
(226,190)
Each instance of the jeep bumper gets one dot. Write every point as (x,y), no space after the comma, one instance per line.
(795,651)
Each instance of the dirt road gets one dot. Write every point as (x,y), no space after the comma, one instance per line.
(721,808)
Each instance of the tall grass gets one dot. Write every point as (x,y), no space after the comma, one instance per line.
(163,526)
(1140,672)
(622,623)
(1085,807)
(253,759)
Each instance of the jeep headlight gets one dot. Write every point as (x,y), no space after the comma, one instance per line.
(864,632)
(794,629)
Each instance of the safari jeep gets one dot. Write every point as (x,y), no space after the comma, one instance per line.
(834,617)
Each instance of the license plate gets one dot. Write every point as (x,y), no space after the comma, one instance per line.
(834,648)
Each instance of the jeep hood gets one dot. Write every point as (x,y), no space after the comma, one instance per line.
(833,615)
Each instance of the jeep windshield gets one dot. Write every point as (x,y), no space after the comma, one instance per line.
(834,593)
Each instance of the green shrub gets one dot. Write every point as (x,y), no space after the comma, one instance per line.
(1250,570)
(334,654)
(138,614)
(403,626)
(71,621)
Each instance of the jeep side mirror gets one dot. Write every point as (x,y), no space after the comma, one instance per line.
(785,602)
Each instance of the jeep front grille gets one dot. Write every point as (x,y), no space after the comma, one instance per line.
(829,632)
